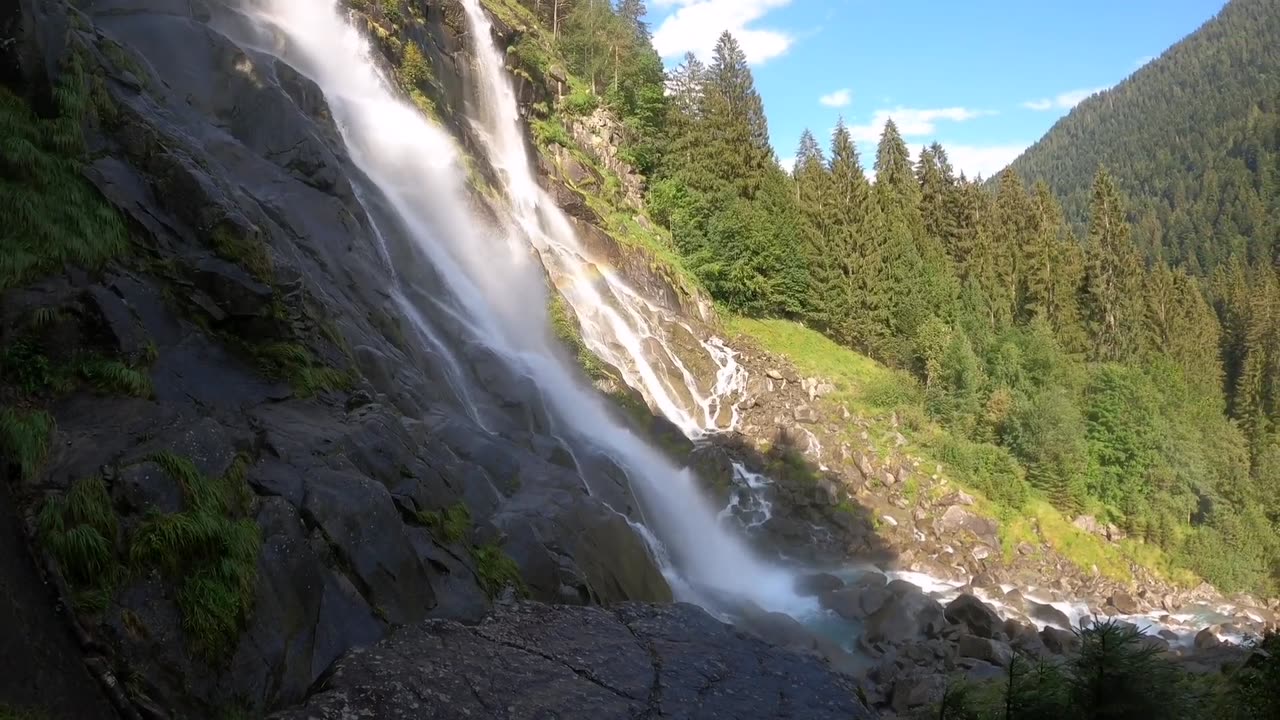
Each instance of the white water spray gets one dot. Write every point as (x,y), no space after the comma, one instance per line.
(499,291)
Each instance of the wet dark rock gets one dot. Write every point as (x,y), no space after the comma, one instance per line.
(1047,614)
(985,649)
(1059,642)
(1207,639)
(713,465)
(974,614)
(910,693)
(817,584)
(147,485)
(908,615)
(358,520)
(631,661)
(1024,638)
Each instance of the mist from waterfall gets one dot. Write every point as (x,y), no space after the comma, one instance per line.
(496,288)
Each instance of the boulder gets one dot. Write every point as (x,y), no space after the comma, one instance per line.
(957,519)
(1125,603)
(713,465)
(1059,642)
(1048,614)
(1024,637)
(580,663)
(857,602)
(1207,639)
(817,584)
(985,649)
(805,414)
(910,693)
(906,616)
(976,616)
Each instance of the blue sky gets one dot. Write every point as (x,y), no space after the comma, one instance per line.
(985,77)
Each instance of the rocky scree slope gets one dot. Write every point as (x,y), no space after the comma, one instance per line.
(233,454)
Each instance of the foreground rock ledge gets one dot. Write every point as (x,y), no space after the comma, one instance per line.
(530,660)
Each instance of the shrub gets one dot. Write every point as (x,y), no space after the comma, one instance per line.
(988,469)
(580,101)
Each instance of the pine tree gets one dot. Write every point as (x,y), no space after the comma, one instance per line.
(826,301)
(904,282)
(1113,279)
(856,226)
(1051,271)
(739,151)
(1011,235)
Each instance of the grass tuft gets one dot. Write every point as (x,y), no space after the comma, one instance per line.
(80,530)
(450,525)
(496,570)
(210,550)
(250,253)
(23,364)
(53,215)
(296,365)
(24,439)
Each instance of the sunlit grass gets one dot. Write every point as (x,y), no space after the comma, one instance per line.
(875,392)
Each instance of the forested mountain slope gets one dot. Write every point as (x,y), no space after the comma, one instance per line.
(1193,138)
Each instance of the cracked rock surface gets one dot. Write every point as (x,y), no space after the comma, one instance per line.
(530,660)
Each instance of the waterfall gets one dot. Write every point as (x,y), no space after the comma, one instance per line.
(496,289)
(618,324)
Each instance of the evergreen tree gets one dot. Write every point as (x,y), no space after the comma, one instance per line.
(739,150)
(856,226)
(1113,276)
(827,300)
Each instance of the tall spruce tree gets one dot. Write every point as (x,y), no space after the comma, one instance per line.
(856,226)
(1113,277)
(827,298)
(739,150)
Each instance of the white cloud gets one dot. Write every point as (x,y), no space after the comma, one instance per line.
(695,26)
(984,160)
(788,164)
(911,122)
(839,98)
(1062,101)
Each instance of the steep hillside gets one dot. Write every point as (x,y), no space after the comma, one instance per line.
(1193,138)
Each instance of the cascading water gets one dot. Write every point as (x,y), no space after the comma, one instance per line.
(618,324)
(497,295)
